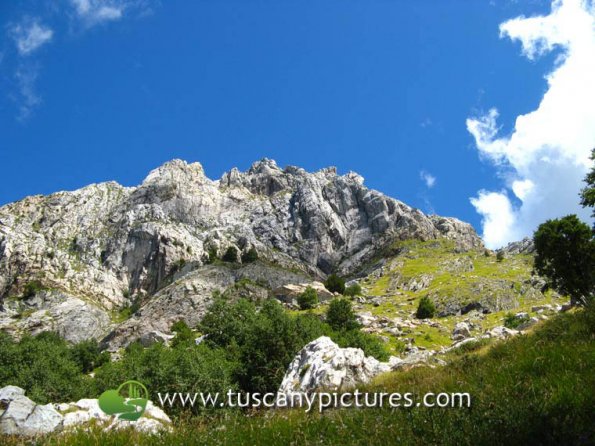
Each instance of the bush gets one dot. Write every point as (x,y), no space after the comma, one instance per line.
(370,344)
(250,256)
(512,322)
(231,255)
(308,299)
(426,308)
(162,370)
(46,367)
(183,333)
(88,355)
(212,256)
(353,290)
(499,256)
(32,288)
(340,315)
(335,284)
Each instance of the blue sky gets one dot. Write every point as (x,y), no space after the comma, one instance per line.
(97,91)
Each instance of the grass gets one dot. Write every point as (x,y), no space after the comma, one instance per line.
(478,278)
(533,389)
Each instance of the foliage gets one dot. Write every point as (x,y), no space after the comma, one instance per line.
(335,284)
(212,256)
(353,290)
(46,367)
(88,355)
(565,254)
(425,309)
(231,255)
(250,256)
(500,256)
(512,321)
(183,333)
(588,192)
(263,340)
(534,389)
(308,299)
(370,344)
(32,288)
(191,368)
(340,315)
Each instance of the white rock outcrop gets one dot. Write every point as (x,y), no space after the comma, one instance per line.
(21,416)
(322,364)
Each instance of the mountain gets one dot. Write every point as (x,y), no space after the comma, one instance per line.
(82,262)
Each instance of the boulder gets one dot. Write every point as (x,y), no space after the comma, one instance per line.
(21,416)
(501,332)
(461,331)
(322,364)
(289,293)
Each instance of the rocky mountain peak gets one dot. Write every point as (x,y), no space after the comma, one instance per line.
(109,246)
(176,171)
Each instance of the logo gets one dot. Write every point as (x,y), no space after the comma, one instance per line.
(127,402)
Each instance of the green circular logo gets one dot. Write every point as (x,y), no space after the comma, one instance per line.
(127,402)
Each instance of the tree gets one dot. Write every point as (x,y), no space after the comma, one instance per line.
(250,256)
(183,333)
(565,254)
(88,355)
(231,255)
(308,299)
(426,308)
(500,256)
(335,284)
(353,290)
(588,192)
(340,315)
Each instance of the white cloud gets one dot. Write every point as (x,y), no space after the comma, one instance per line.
(30,35)
(498,216)
(547,154)
(93,12)
(428,178)
(28,99)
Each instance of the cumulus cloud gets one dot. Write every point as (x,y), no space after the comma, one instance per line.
(30,35)
(93,12)
(428,178)
(546,156)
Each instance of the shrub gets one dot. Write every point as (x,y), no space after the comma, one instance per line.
(370,344)
(340,315)
(163,370)
(32,288)
(183,333)
(231,255)
(426,308)
(308,299)
(499,256)
(45,367)
(353,290)
(88,355)
(250,256)
(212,256)
(335,284)
(511,321)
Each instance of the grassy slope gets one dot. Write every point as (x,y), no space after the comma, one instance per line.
(535,389)
(499,281)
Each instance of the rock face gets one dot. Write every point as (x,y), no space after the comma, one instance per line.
(109,246)
(21,416)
